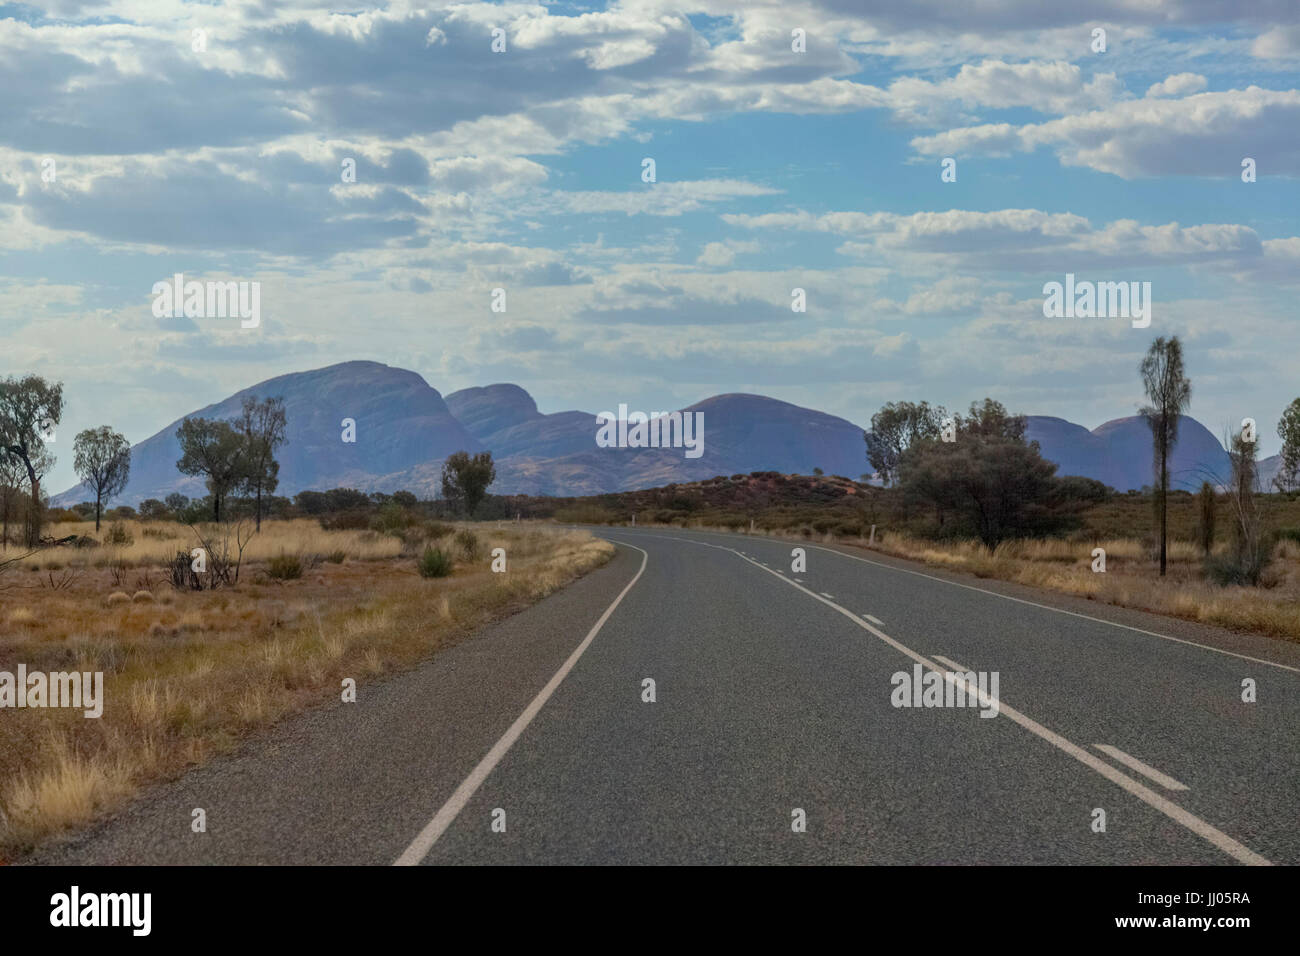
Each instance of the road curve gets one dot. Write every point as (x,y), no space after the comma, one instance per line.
(533,742)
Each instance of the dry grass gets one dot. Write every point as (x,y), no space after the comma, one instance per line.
(188,674)
(1131,578)
(155,542)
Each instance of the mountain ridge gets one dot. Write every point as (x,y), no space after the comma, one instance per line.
(405,428)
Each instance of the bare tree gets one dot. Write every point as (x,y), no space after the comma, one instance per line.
(102,458)
(30,407)
(1169,393)
(261,425)
(1251,548)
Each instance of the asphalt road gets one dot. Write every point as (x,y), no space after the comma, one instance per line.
(772,695)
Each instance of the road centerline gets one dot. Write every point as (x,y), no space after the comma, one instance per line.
(1136,788)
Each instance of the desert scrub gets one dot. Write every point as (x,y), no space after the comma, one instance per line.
(284,567)
(118,536)
(435,563)
(468,543)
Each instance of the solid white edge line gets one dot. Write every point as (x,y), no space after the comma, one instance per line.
(824,594)
(949,662)
(874,620)
(1201,828)
(427,837)
(1045,607)
(1166,781)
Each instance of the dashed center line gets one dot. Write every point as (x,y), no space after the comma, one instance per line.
(1206,831)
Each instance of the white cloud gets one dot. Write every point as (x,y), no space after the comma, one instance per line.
(1206,134)
(1180,84)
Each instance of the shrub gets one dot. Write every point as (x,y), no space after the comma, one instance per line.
(435,563)
(346,521)
(392,518)
(285,567)
(336,557)
(142,597)
(118,535)
(119,597)
(468,543)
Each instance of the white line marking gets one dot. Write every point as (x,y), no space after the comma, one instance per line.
(1206,831)
(949,662)
(1169,783)
(1045,607)
(1048,607)
(874,620)
(427,837)
(824,594)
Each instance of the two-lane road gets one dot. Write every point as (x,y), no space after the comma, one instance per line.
(533,742)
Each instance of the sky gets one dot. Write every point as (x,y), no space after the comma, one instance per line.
(796,145)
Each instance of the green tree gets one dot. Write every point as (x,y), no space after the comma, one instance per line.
(151,509)
(1169,393)
(894,429)
(214,450)
(261,427)
(30,407)
(466,480)
(995,484)
(176,503)
(1288,429)
(102,459)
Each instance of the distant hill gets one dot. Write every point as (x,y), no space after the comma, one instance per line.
(1119,452)
(405,429)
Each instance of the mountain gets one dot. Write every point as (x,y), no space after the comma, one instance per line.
(401,422)
(405,429)
(1119,452)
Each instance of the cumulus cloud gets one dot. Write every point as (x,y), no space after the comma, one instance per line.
(1205,134)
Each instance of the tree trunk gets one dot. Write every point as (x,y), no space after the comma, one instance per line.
(1164,509)
(97,511)
(34,525)
(259,507)
(216,507)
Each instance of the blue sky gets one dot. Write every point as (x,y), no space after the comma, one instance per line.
(775,169)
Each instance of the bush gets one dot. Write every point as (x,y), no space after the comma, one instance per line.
(346,521)
(1244,571)
(336,557)
(392,518)
(285,567)
(468,543)
(435,563)
(118,535)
